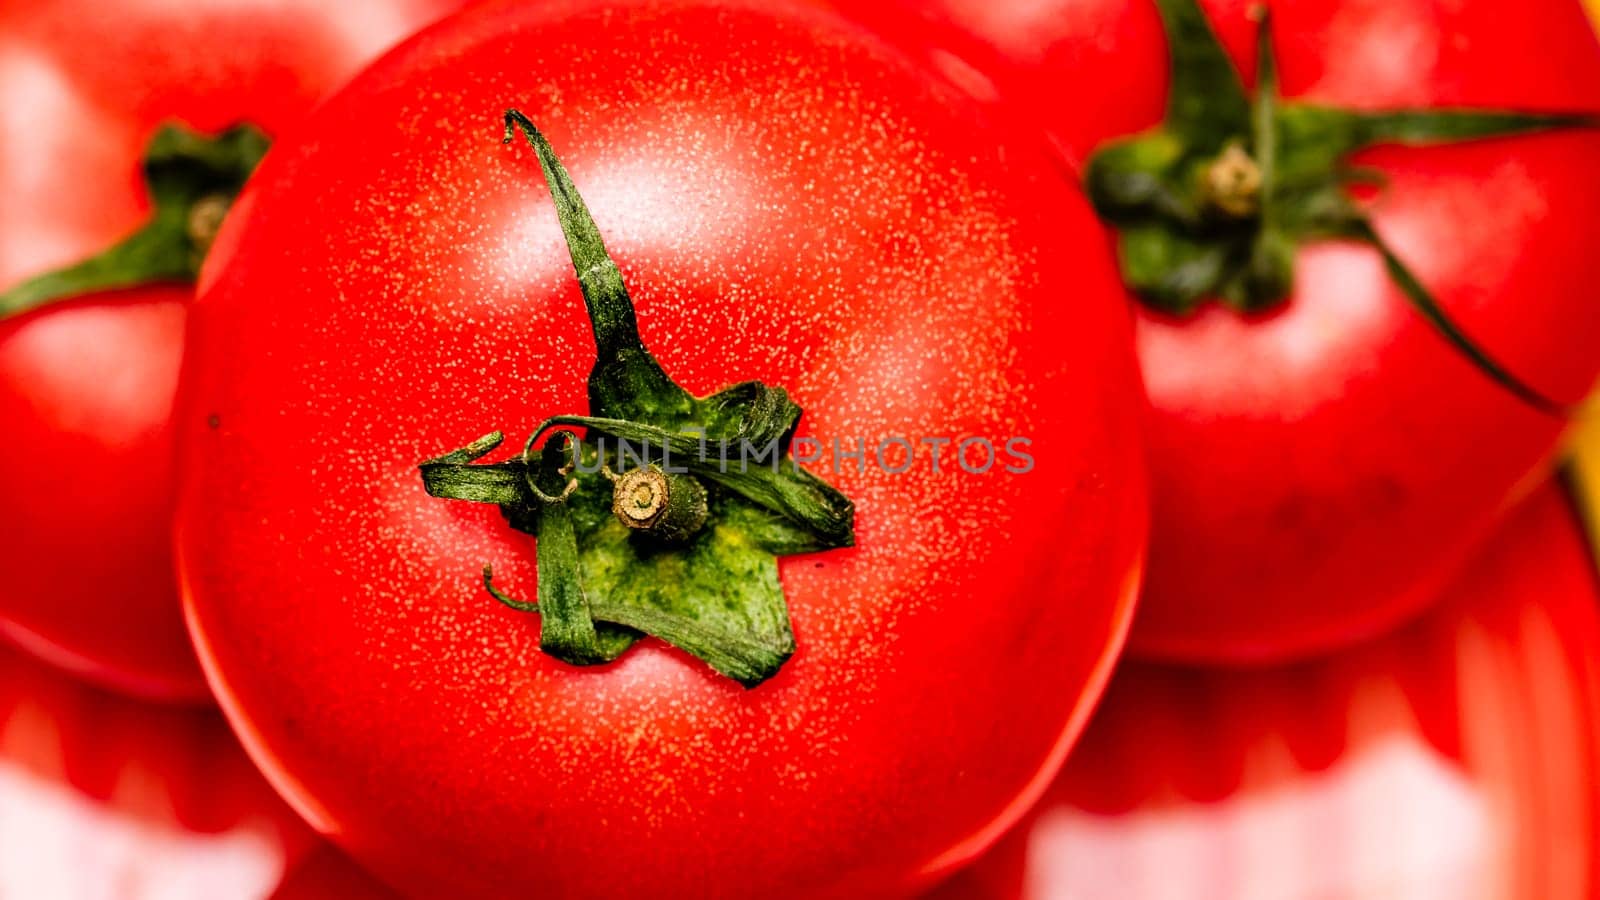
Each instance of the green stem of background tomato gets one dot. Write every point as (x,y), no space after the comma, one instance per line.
(192,180)
(1214,202)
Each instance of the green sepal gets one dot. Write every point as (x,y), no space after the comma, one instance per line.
(1179,247)
(717,597)
(534,500)
(741,653)
(1422,300)
(602,586)
(453,475)
(182,168)
(1324,136)
(780,486)
(566,626)
(1131,180)
(1172,272)
(713,592)
(626,381)
(1208,105)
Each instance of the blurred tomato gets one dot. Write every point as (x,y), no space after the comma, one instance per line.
(87,383)
(106,798)
(327,874)
(1457,759)
(1585,466)
(1321,458)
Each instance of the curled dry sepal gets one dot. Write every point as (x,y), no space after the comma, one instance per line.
(1215,201)
(684,544)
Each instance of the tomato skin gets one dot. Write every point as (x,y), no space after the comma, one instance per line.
(787,201)
(1455,758)
(1318,471)
(327,874)
(87,385)
(104,796)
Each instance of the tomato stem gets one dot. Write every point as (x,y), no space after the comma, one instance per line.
(192,180)
(670,508)
(1214,203)
(681,545)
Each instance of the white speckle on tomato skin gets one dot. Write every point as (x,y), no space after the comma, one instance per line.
(837,239)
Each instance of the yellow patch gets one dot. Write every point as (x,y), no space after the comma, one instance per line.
(1586,452)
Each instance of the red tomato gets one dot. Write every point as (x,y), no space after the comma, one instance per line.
(102,797)
(1455,759)
(87,385)
(1319,468)
(787,200)
(327,874)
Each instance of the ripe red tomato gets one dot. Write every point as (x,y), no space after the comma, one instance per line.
(102,796)
(87,384)
(1456,758)
(787,199)
(1318,467)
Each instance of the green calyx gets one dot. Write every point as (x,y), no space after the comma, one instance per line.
(192,179)
(1214,203)
(667,516)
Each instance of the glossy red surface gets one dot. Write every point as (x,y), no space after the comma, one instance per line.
(788,201)
(87,386)
(1456,759)
(1318,471)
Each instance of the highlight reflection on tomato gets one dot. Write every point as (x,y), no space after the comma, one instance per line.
(87,381)
(106,797)
(1456,759)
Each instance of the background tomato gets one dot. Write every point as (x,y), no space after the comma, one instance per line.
(327,874)
(787,200)
(1456,758)
(105,797)
(1319,469)
(87,385)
